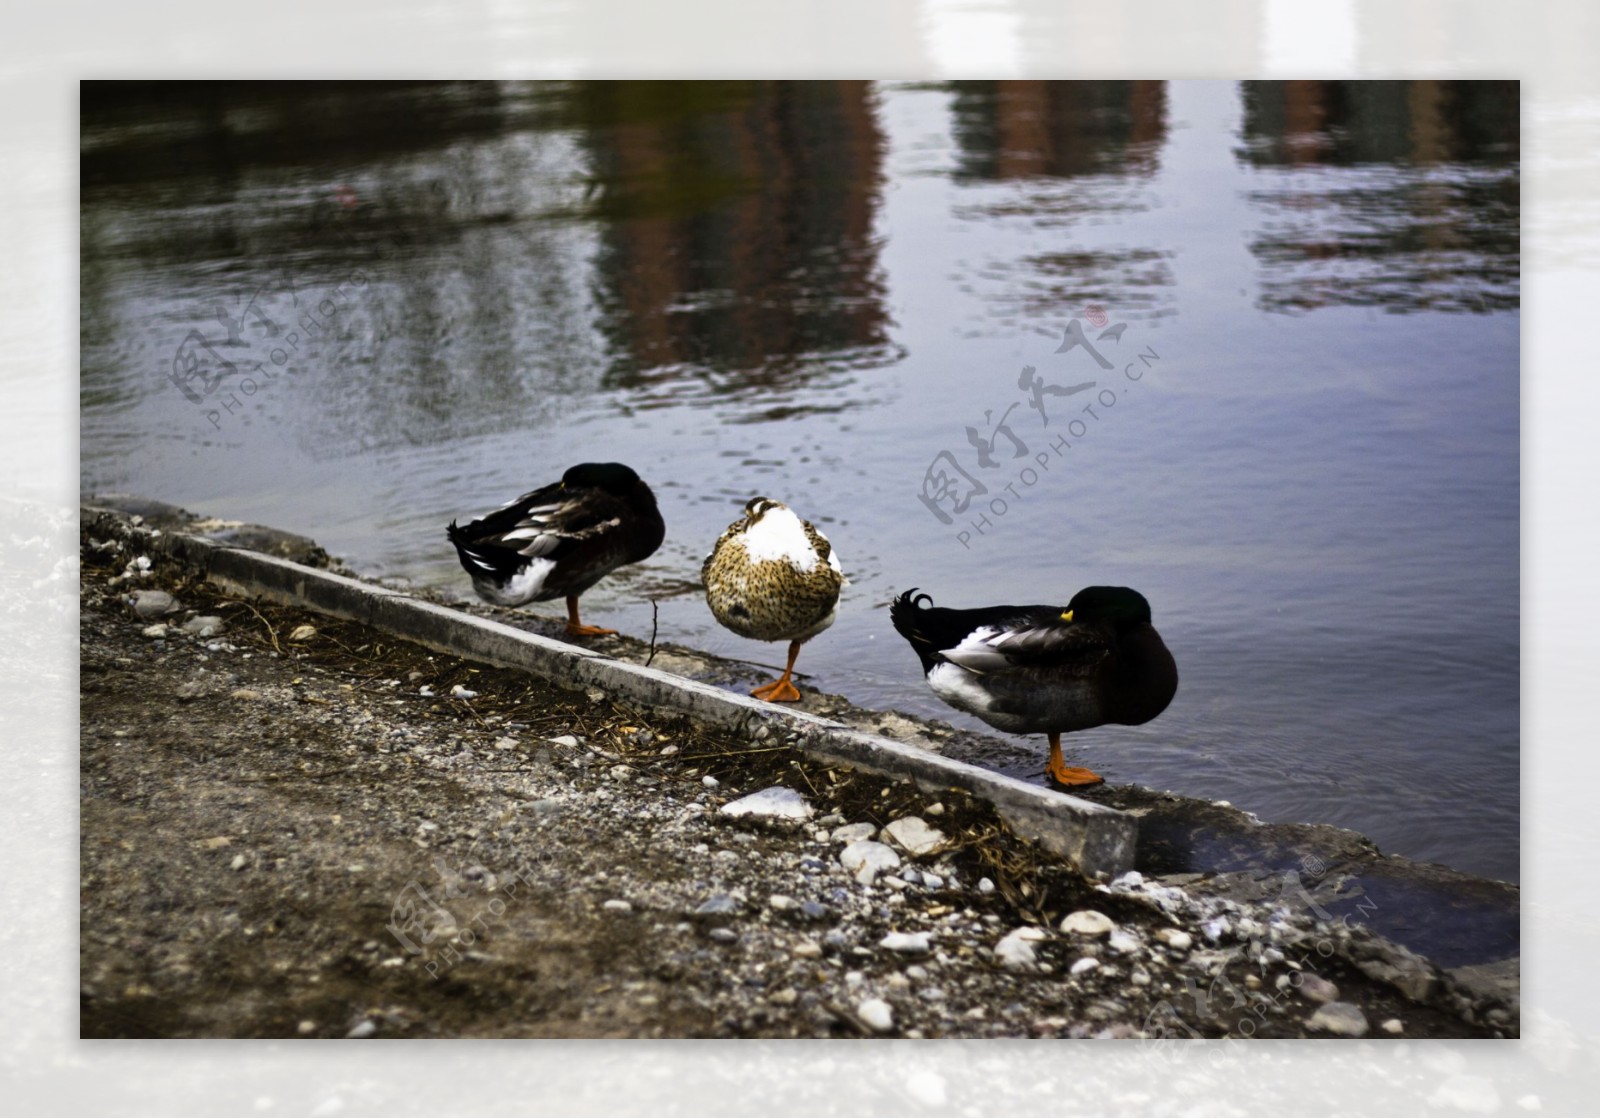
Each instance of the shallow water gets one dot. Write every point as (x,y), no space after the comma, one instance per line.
(358,312)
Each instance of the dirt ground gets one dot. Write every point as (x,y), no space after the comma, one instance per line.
(295,826)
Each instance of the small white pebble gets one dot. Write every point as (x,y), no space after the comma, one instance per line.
(985,886)
(877,1014)
(1175,938)
(1087,963)
(617,905)
(709,781)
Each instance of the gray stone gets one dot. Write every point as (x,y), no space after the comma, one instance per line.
(866,859)
(1318,989)
(777,803)
(1402,969)
(717,905)
(1340,1018)
(1175,938)
(208,626)
(913,835)
(1015,951)
(153,604)
(909,944)
(1124,942)
(1087,922)
(877,1014)
(851,833)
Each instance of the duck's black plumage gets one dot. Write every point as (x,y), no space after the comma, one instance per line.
(561,539)
(1044,669)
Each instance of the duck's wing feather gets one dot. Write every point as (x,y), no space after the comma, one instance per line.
(1030,644)
(550,523)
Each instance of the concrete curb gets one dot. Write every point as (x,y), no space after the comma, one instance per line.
(1093,838)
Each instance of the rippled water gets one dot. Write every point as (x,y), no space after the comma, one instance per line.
(357,312)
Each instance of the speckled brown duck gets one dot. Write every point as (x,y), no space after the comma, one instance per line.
(773,577)
(1045,669)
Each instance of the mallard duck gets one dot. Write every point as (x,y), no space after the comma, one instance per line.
(562,539)
(1044,669)
(773,577)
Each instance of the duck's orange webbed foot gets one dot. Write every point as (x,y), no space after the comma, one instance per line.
(779,691)
(1074,777)
(1064,776)
(580,630)
(576,628)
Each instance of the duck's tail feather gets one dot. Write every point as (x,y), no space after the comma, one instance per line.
(906,614)
(483,561)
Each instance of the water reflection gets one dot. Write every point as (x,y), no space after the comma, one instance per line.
(1063,158)
(1017,129)
(737,247)
(1400,195)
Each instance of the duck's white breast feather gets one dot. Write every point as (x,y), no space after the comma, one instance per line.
(779,535)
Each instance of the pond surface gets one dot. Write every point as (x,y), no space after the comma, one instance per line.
(1250,348)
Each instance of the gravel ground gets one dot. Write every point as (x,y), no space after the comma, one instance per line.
(296,826)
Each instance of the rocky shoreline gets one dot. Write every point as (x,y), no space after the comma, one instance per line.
(298,826)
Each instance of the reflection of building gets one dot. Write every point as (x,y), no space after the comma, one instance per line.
(1009,130)
(737,232)
(1383,122)
(1415,201)
(1072,156)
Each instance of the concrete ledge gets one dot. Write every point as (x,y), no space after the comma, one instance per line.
(1093,838)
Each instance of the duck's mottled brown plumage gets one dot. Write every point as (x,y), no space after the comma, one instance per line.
(770,599)
(773,577)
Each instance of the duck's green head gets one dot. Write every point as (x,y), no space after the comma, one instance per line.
(1119,607)
(612,477)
